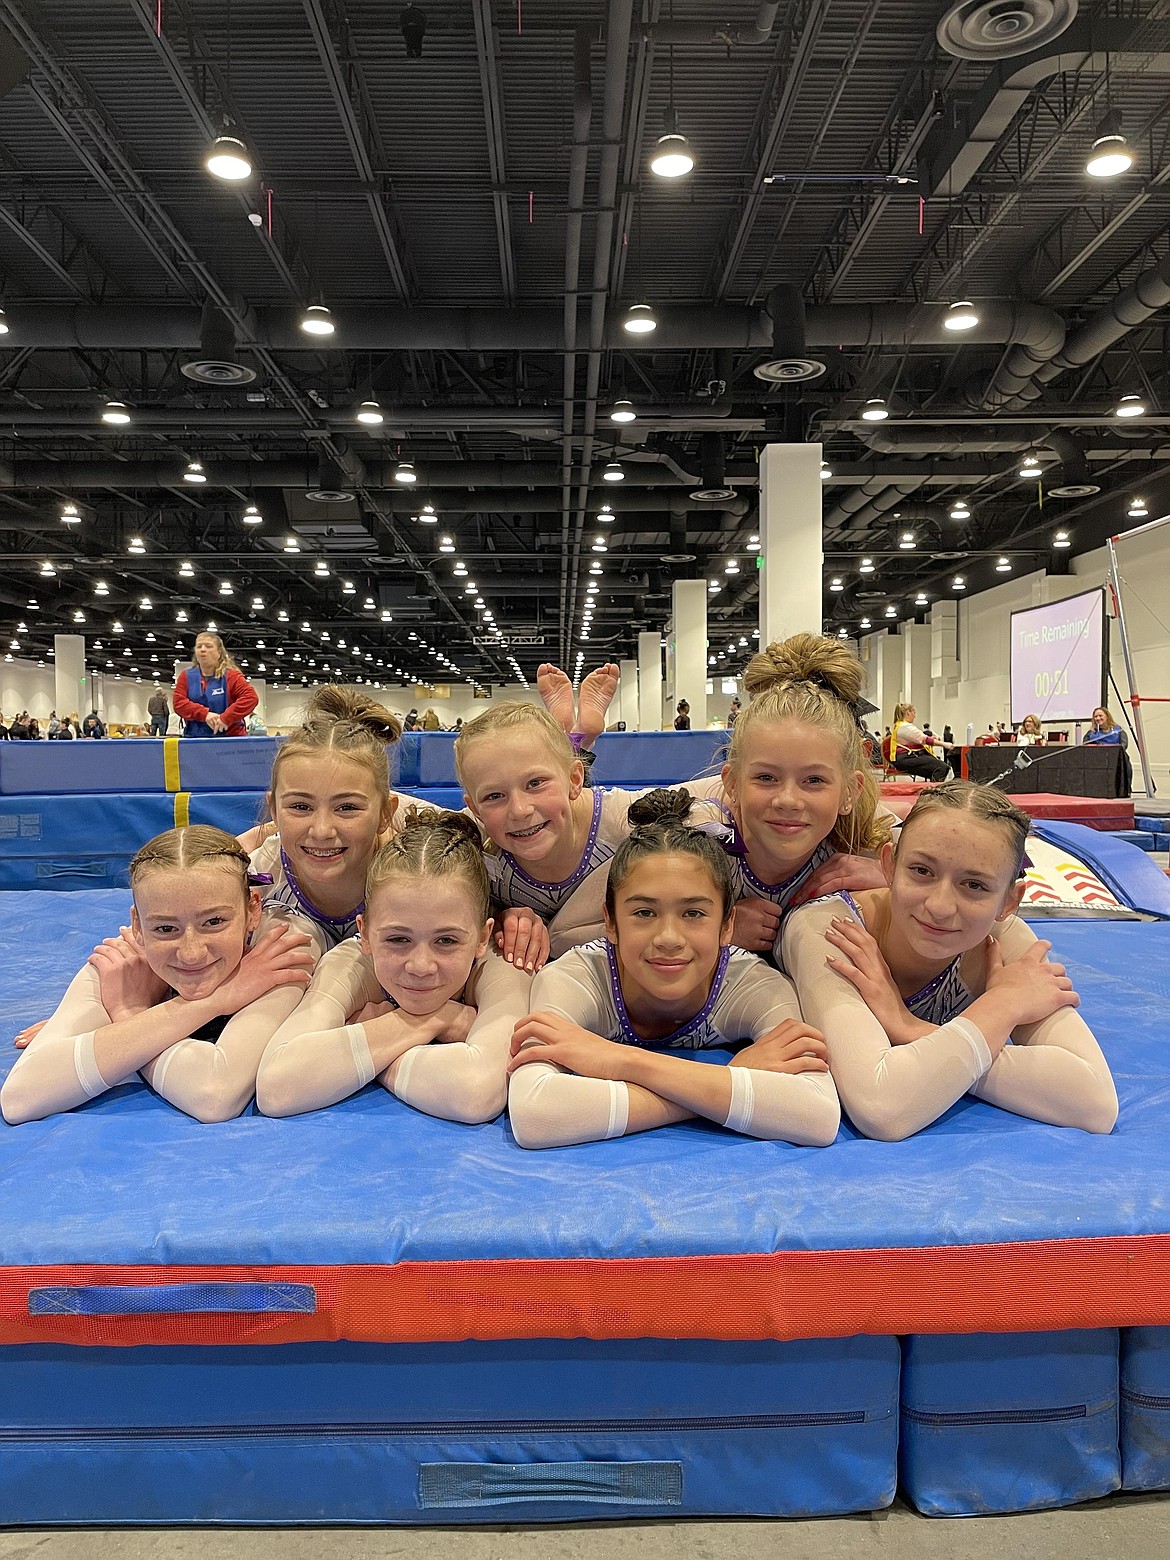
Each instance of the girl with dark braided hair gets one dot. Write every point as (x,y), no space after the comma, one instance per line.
(599,1055)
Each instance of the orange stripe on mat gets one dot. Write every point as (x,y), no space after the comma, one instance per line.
(1023,1287)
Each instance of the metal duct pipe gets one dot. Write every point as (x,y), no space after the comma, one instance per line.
(578,168)
(389,327)
(857,508)
(1130,308)
(721,33)
(1004,439)
(302,473)
(899,325)
(380,328)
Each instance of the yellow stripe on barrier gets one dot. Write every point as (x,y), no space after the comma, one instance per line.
(171,763)
(182,808)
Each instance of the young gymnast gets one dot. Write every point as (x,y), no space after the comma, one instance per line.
(797,786)
(593,1059)
(554,836)
(150,1000)
(919,986)
(331,805)
(422,972)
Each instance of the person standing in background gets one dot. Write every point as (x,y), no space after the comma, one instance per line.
(159,710)
(733,713)
(212,697)
(682,719)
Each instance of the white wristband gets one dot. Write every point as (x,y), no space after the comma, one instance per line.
(85,1065)
(363,1062)
(743,1099)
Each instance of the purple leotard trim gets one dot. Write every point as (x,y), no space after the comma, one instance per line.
(583,866)
(629,1037)
(930,990)
(769,890)
(307,905)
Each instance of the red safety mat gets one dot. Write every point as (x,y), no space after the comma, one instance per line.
(1035,1286)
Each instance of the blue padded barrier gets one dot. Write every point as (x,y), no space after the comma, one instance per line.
(627,758)
(1141,838)
(1154,825)
(135,764)
(1135,880)
(543,1430)
(1009,1422)
(69,842)
(1145,1408)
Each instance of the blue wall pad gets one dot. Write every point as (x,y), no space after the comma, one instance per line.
(635,759)
(1135,879)
(1145,1408)
(1015,1422)
(1155,825)
(532,1430)
(136,764)
(69,842)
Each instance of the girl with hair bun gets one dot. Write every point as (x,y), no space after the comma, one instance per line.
(597,1057)
(423,971)
(330,802)
(797,785)
(331,806)
(931,987)
(146,1000)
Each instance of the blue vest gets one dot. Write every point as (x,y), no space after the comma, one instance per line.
(212,693)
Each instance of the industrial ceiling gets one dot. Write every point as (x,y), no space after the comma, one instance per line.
(462,189)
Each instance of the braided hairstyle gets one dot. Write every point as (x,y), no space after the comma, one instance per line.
(193,846)
(815,680)
(984,802)
(433,844)
(348,722)
(660,828)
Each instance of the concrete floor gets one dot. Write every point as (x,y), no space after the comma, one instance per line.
(1127,1527)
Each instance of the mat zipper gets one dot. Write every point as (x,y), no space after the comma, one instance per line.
(1144,1399)
(998,1416)
(431,1428)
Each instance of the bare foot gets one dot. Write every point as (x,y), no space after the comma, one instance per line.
(594,699)
(556,692)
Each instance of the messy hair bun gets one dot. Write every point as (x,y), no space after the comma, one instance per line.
(817,682)
(660,829)
(349,704)
(806,658)
(349,723)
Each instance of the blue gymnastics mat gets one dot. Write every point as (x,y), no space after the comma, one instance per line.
(622,1331)
(420,759)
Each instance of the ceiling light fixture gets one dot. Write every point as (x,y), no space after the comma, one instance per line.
(317,321)
(1062,539)
(1110,154)
(753,543)
(370,413)
(605,515)
(194,472)
(186,572)
(1003,565)
(672,157)
(115,413)
(826,472)
(70,514)
(252,516)
(623,412)
(866,566)
(446,544)
(961,316)
(427,515)
(836,583)
(101,588)
(405,473)
(613,472)
(3,323)
(137,546)
(321,569)
(228,159)
(959,510)
(1137,509)
(640,319)
(906,541)
(875,410)
(1130,406)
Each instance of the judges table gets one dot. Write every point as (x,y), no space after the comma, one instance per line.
(1065,768)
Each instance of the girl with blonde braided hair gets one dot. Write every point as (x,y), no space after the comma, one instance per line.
(423,971)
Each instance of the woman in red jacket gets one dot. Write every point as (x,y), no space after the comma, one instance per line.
(213,697)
